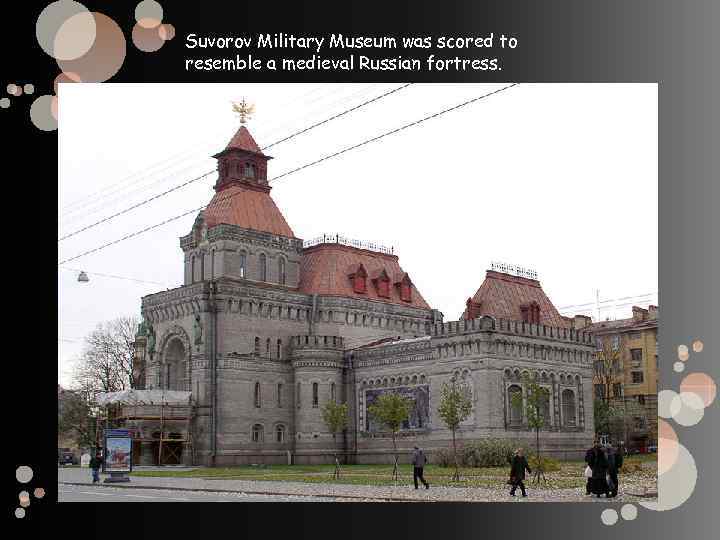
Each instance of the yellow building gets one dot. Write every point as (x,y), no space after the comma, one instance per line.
(626,371)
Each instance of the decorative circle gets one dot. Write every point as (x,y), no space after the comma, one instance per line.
(41,113)
(24,498)
(679,367)
(29,88)
(628,512)
(13,89)
(65,78)
(146,39)
(667,446)
(166,32)
(39,493)
(688,408)
(105,57)
(23,474)
(700,384)
(698,346)
(683,353)
(677,484)
(609,516)
(665,399)
(19,513)
(148,14)
(66,30)
(4,103)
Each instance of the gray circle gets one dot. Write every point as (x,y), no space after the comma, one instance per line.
(665,398)
(609,516)
(23,474)
(19,513)
(4,103)
(41,114)
(149,9)
(75,39)
(679,367)
(629,512)
(29,88)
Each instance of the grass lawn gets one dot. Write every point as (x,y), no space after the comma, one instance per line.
(570,474)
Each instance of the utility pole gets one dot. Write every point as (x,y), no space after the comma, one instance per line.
(597,304)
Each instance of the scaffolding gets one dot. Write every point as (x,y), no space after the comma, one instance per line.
(163,418)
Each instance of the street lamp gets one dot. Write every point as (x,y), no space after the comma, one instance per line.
(83,277)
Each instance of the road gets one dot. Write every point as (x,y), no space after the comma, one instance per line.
(69,493)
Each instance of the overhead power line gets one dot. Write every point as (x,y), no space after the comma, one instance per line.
(114,276)
(204,175)
(302,167)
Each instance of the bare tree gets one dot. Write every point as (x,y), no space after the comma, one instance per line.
(607,365)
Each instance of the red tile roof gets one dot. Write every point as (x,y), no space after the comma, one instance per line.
(502,295)
(241,205)
(325,270)
(242,140)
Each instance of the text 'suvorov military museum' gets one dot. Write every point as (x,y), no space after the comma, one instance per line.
(268,327)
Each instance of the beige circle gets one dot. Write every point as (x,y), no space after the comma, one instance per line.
(676,485)
(609,516)
(687,408)
(29,88)
(12,88)
(73,39)
(665,398)
(23,474)
(65,78)
(166,32)
(146,39)
(147,12)
(683,353)
(667,446)
(19,513)
(679,366)
(628,512)
(700,384)
(698,346)
(4,103)
(105,57)
(39,493)
(75,36)
(41,113)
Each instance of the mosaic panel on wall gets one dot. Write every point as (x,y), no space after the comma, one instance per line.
(419,414)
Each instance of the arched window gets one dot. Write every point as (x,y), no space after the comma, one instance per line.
(267,348)
(545,407)
(280,433)
(250,170)
(315,394)
(257,396)
(279,349)
(297,395)
(279,395)
(263,267)
(281,271)
(192,269)
(515,405)
(332,392)
(257,433)
(243,263)
(257,346)
(568,408)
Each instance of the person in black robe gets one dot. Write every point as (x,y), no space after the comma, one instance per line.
(518,466)
(599,466)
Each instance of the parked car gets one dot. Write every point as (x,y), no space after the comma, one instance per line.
(66,457)
(652,449)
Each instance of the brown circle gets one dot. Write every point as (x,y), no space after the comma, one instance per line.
(166,32)
(65,77)
(700,384)
(147,39)
(105,57)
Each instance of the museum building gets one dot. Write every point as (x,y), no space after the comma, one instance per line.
(267,328)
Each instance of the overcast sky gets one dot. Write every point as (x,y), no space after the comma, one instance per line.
(558,178)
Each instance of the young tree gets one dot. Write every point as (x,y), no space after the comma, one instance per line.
(607,365)
(335,416)
(391,410)
(455,407)
(537,398)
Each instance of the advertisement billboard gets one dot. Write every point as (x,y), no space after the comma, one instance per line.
(118,451)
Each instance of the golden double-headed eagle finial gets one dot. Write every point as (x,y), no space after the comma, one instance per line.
(244,110)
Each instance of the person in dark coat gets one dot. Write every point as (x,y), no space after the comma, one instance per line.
(599,468)
(418,462)
(589,458)
(518,466)
(615,463)
(95,464)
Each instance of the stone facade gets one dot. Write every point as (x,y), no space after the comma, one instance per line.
(266,329)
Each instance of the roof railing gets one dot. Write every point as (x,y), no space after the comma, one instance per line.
(344,241)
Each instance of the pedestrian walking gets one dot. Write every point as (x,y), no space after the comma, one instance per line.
(518,466)
(615,463)
(589,456)
(599,466)
(95,464)
(418,462)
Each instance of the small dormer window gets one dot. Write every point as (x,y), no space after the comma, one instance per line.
(530,313)
(250,170)
(405,288)
(358,277)
(382,284)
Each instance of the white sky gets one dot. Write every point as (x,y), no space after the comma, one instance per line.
(561,178)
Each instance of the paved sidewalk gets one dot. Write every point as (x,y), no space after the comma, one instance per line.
(368,493)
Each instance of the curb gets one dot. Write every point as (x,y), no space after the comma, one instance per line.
(284,494)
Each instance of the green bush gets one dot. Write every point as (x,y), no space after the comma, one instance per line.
(490,452)
(548,464)
(444,457)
